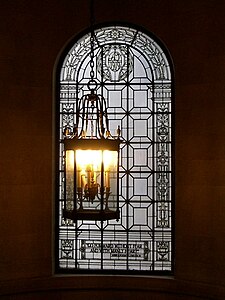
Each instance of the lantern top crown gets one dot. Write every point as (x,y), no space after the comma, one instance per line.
(91,119)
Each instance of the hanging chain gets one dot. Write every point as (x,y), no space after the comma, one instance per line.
(92,83)
(92,74)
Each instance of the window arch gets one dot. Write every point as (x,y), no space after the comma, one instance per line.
(134,73)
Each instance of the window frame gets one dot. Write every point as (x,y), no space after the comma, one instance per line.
(56,118)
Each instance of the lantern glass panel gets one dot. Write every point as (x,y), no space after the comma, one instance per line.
(96,178)
(110,160)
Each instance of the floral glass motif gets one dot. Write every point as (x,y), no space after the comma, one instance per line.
(133,73)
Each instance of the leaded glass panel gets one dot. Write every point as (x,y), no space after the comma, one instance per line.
(133,74)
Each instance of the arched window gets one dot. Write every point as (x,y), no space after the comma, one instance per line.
(134,74)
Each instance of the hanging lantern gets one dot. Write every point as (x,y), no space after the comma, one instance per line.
(91,157)
(91,163)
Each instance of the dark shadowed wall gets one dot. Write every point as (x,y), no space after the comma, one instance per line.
(32,34)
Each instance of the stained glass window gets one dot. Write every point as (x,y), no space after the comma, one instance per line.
(134,74)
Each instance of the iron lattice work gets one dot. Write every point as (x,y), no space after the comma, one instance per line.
(133,74)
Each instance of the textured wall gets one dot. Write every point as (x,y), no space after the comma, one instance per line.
(32,35)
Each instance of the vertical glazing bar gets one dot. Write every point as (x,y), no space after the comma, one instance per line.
(102,204)
(127,167)
(76,123)
(75,207)
(153,175)
(102,167)
(76,245)
(69,179)
(64,179)
(117,186)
